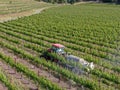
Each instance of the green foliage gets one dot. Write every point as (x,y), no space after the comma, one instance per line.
(21,68)
(110,77)
(52,66)
(86,34)
(5,80)
(106,1)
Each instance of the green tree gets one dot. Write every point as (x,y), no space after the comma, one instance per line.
(118,1)
(106,1)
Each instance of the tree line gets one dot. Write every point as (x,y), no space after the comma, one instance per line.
(73,1)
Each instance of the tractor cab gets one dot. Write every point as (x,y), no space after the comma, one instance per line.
(57,48)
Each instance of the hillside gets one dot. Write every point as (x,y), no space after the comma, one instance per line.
(13,9)
(15,6)
(89,31)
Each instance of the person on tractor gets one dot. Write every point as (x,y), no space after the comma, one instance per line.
(57,48)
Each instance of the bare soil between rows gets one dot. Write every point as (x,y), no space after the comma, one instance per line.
(2,87)
(41,71)
(16,77)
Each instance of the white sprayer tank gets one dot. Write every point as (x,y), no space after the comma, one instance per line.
(81,61)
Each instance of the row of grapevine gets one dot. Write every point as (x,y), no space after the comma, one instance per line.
(38,42)
(93,73)
(52,66)
(6,81)
(69,39)
(21,68)
(22,26)
(39,50)
(87,34)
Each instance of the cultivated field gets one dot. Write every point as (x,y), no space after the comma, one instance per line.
(89,31)
(13,9)
(16,6)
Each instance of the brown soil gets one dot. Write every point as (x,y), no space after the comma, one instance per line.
(13,16)
(16,77)
(2,87)
(40,71)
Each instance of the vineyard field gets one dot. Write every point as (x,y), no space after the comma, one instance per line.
(89,31)
(17,6)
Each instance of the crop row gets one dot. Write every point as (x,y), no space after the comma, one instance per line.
(39,42)
(111,77)
(76,47)
(82,44)
(35,48)
(6,81)
(103,75)
(67,34)
(93,52)
(21,68)
(52,66)
(60,36)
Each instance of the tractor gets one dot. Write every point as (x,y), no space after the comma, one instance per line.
(57,48)
(71,62)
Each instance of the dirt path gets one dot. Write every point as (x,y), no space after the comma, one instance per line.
(40,71)
(13,16)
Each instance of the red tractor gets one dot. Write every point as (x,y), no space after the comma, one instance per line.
(57,48)
(72,62)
